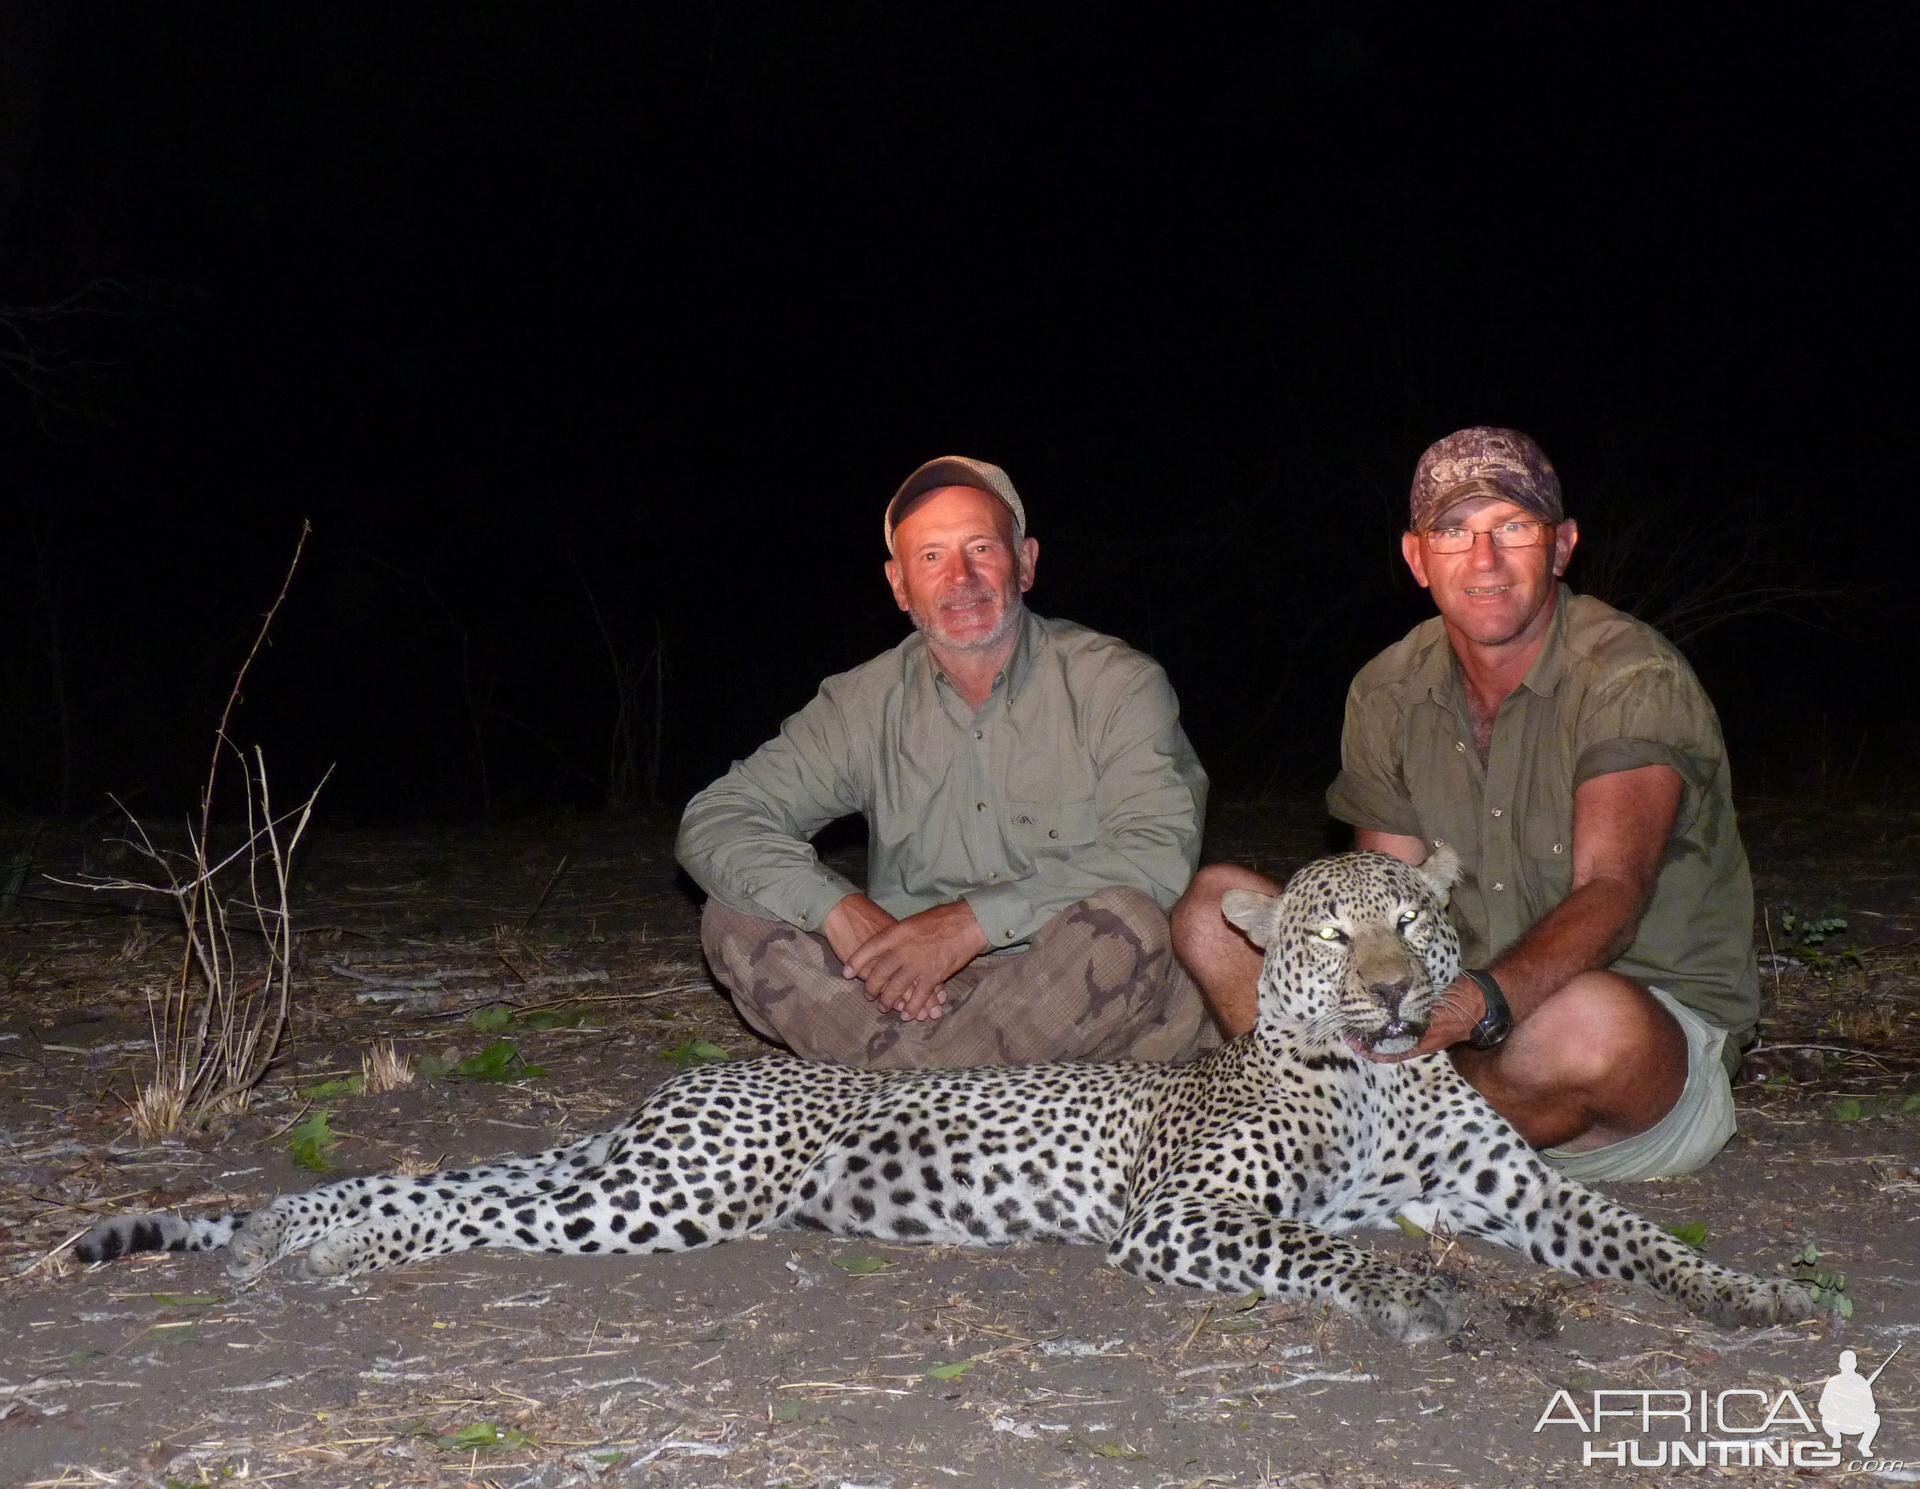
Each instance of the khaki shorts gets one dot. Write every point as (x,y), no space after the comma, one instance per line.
(1688,1136)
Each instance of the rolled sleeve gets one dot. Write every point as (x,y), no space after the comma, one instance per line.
(1652,712)
(1370,793)
(744,839)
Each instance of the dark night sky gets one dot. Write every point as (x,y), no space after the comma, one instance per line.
(521,304)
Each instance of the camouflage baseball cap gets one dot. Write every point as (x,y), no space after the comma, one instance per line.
(1483,461)
(957,470)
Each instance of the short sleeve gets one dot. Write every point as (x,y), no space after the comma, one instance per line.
(1371,790)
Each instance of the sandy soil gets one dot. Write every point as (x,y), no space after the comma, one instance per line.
(796,1359)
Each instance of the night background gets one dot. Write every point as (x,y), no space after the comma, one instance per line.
(593,341)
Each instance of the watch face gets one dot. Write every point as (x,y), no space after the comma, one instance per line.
(1491,1030)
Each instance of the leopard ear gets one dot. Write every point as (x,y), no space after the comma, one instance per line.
(1441,871)
(1255,913)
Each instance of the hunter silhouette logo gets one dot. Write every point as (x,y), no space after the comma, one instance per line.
(1846,1401)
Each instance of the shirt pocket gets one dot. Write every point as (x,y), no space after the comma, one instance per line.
(1546,846)
(1043,826)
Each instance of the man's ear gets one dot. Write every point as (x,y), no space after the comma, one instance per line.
(897,583)
(1029,553)
(1566,537)
(1255,913)
(1414,550)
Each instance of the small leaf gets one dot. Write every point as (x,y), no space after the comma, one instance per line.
(553,1018)
(484,1435)
(1115,1450)
(1849,1110)
(346,1085)
(1409,1229)
(785,1411)
(950,1372)
(499,1061)
(1693,1233)
(693,1052)
(860,1266)
(492,1019)
(311,1141)
(187,1300)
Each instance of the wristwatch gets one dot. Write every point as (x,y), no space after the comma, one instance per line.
(1498,1023)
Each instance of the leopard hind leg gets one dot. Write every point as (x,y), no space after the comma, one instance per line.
(636,1199)
(296,1222)
(1226,1244)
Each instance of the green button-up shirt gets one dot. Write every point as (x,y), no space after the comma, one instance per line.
(1606,693)
(1074,775)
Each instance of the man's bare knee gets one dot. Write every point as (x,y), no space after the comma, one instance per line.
(1197,914)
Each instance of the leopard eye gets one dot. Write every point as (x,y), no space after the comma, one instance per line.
(1408,917)
(1332,933)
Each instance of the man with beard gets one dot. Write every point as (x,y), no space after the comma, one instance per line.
(1033,809)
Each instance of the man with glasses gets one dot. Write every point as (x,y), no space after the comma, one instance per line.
(1568,754)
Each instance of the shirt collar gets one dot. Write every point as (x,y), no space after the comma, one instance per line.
(1551,665)
(1442,669)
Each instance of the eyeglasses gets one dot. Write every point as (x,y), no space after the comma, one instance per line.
(1506,535)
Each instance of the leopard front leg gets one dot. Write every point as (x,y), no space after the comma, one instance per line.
(1228,1245)
(1566,1225)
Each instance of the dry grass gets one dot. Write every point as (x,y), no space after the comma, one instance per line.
(385,1068)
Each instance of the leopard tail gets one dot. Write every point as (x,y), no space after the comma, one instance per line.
(123,1235)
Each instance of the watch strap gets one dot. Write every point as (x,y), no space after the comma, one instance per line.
(1498,1020)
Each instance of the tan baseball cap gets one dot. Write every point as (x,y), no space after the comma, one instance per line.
(957,470)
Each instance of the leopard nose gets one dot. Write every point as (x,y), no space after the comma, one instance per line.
(1390,994)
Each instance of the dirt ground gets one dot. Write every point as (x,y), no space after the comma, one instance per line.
(793,1359)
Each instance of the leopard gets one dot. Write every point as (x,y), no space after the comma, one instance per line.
(1246,1170)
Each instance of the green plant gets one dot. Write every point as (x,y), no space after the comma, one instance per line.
(1807,939)
(1829,1288)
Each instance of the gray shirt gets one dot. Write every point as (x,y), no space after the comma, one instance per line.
(1074,775)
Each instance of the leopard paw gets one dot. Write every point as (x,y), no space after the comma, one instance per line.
(345,1253)
(1755,1303)
(1415,1311)
(259,1243)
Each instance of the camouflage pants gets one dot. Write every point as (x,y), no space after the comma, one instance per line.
(1098,982)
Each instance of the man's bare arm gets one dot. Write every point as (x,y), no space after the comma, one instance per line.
(1621,824)
(1407,850)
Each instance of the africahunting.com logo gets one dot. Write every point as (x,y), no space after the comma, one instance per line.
(1737,1428)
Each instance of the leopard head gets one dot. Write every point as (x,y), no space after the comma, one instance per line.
(1358,946)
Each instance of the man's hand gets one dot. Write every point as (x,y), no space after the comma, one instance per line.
(906,965)
(852,923)
(1455,1012)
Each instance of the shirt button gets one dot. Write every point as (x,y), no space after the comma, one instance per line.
(992,874)
(1496,811)
(1558,849)
(1498,887)
(1053,832)
(979,734)
(979,806)
(1439,842)
(1460,747)
(1007,935)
